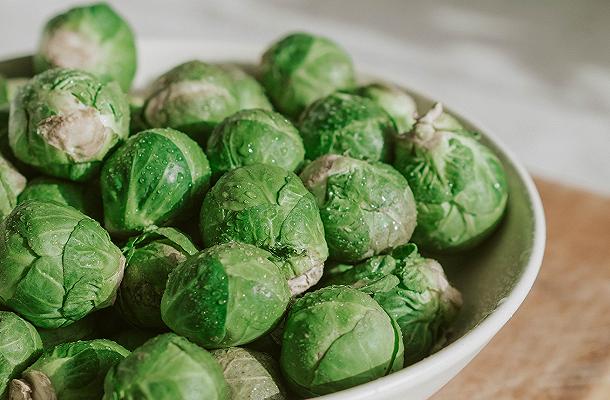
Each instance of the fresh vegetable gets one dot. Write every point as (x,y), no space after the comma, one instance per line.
(91,38)
(56,264)
(268,207)
(65,121)
(366,208)
(255,137)
(459,184)
(167,367)
(226,295)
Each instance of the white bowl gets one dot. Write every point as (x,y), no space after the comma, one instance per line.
(494,278)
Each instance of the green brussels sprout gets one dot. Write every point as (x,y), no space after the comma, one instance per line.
(93,38)
(336,338)
(226,295)
(411,289)
(66,193)
(150,258)
(133,338)
(193,97)
(366,208)
(250,374)
(396,102)
(64,122)
(301,68)
(172,174)
(167,367)
(349,125)
(255,137)
(83,329)
(11,184)
(270,208)
(459,184)
(4,100)
(56,264)
(69,371)
(250,93)
(20,345)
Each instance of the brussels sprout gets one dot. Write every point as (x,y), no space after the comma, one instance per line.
(366,209)
(346,124)
(150,258)
(4,100)
(80,330)
(252,137)
(19,345)
(69,371)
(396,102)
(411,289)
(133,338)
(172,173)
(56,264)
(226,295)
(459,184)
(11,184)
(269,207)
(250,93)
(301,68)
(92,38)
(167,367)
(193,97)
(250,374)
(66,193)
(64,122)
(336,338)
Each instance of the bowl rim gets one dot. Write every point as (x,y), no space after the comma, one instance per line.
(469,344)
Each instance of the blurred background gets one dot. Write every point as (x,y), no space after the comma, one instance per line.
(536,74)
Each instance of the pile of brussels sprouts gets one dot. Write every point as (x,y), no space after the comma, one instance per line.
(226,234)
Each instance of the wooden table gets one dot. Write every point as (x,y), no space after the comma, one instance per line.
(557,345)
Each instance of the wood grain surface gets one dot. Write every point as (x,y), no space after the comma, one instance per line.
(557,345)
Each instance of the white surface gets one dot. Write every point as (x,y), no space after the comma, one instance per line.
(536,73)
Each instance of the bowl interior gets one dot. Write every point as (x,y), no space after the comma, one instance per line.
(486,275)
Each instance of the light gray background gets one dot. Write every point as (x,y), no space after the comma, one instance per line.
(536,73)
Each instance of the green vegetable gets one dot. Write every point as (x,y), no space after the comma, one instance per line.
(252,137)
(226,295)
(172,175)
(66,193)
(336,338)
(64,122)
(270,208)
(150,258)
(396,102)
(411,289)
(92,38)
(193,97)
(301,68)
(250,374)
(83,329)
(69,371)
(349,125)
(250,94)
(56,264)
(459,184)
(11,184)
(366,209)
(168,367)
(20,344)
